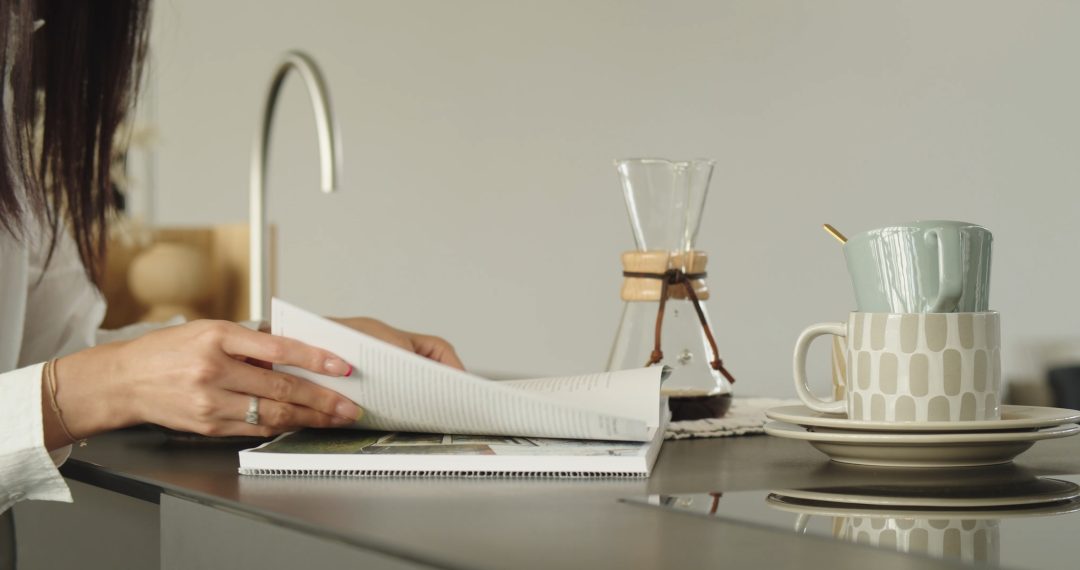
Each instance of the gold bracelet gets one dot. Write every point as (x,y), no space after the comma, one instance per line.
(50,379)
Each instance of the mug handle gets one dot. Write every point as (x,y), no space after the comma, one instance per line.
(802,347)
(950,269)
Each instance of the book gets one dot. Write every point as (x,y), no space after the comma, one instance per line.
(426,419)
(363,453)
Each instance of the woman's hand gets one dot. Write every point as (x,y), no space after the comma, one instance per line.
(428,346)
(195,377)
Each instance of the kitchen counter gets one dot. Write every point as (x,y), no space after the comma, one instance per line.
(210,517)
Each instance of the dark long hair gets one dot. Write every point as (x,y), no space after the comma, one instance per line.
(72,83)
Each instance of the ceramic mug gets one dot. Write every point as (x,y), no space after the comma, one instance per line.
(973,540)
(934,266)
(839,368)
(914,367)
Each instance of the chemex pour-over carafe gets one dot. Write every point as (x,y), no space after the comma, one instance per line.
(664,320)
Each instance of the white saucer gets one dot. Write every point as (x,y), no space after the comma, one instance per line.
(797,506)
(1031,491)
(1012,418)
(957,449)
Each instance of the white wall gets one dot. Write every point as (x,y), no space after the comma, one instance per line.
(480,201)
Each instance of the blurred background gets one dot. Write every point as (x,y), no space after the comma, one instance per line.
(479,200)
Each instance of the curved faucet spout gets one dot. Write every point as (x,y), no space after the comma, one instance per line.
(329,169)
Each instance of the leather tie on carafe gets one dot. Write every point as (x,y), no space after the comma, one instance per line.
(680,277)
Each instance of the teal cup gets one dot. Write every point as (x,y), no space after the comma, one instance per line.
(934,266)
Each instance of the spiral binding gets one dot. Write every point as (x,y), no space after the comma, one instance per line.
(422,473)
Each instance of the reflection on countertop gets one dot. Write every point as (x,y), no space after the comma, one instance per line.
(1003,515)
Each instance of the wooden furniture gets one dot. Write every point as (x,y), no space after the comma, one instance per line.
(196,272)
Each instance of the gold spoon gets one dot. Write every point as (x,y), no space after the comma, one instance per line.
(835,233)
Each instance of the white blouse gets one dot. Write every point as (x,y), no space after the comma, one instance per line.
(42,316)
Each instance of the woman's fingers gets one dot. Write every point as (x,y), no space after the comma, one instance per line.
(285,388)
(224,414)
(436,349)
(233,428)
(228,428)
(239,341)
(279,415)
(275,414)
(428,346)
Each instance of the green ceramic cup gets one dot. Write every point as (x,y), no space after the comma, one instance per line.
(933,266)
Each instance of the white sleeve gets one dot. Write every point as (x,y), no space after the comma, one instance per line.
(27,470)
(63,311)
(63,308)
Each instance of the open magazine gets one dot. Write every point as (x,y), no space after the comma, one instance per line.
(541,420)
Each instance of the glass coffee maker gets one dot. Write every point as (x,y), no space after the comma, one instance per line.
(664,320)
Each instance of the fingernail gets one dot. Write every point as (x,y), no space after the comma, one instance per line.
(337,367)
(347,409)
(338,421)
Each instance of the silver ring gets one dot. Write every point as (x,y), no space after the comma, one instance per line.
(252,415)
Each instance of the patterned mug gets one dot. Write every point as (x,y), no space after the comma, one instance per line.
(912,367)
(971,540)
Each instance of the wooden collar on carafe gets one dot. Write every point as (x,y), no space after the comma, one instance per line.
(660,275)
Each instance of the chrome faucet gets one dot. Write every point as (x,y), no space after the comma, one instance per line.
(329,169)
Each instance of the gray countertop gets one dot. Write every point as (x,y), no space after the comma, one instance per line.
(477,523)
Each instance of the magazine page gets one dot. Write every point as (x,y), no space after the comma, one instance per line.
(627,393)
(401,391)
(359,442)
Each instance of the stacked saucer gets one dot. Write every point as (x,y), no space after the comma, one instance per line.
(954,515)
(925,443)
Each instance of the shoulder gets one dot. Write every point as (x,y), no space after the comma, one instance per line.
(12,250)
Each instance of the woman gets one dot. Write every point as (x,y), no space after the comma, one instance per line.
(71,69)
